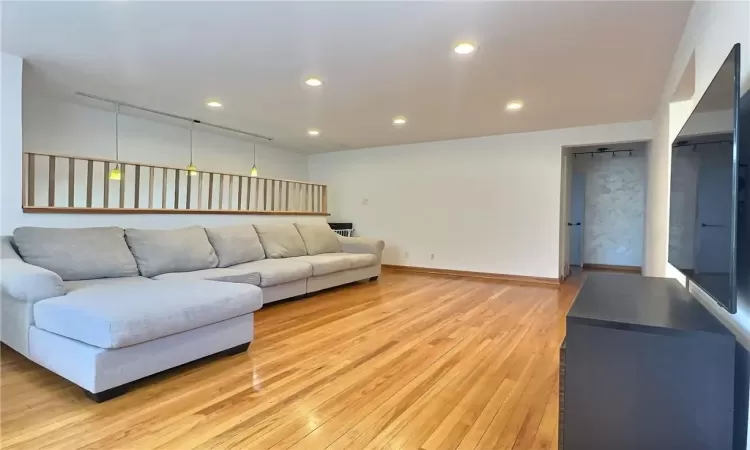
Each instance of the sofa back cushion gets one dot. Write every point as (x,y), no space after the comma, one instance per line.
(235,245)
(281,240)
(319,238)
(166,251)
(77,253)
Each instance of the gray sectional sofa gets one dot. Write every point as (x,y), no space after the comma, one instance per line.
(103,307)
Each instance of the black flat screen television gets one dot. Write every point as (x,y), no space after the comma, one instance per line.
(707,189)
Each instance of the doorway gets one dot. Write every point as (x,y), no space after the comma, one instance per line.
(606,201)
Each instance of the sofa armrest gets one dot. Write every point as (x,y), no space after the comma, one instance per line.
(362,245)
(29,283)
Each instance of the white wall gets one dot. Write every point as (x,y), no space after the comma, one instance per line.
(615,204)
(34,122)
(488,204)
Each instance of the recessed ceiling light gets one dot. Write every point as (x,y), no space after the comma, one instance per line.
(314,82)
(464,48)
(214,104)
(313,132)
(515,105)
(399,120)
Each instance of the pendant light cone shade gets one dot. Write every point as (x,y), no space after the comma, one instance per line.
(115,174)
(254,170)
(191,169)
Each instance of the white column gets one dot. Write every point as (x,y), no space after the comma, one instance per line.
(11,148)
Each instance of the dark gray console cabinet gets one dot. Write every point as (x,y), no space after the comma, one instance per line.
(646,366)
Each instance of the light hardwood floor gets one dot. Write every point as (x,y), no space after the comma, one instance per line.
(409,362)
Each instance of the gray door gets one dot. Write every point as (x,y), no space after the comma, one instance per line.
(575,220)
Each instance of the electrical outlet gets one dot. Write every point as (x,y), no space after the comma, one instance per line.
(365,201)
(432,256)
(406,255)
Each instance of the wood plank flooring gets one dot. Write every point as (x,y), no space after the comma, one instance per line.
(409,362)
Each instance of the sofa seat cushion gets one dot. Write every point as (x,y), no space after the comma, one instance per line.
(71,286)
(362,260)
(227,275)
(326,263)
(277,271)
(129,314)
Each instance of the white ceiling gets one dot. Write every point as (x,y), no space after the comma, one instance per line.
(572,63)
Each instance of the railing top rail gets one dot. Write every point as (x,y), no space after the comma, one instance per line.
(88,158)
(119,211)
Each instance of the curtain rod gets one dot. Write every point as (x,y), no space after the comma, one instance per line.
(174,116)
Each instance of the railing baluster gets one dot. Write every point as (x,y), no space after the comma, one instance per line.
(150,188)
(265,194)
(257,194)
(210,189)
(89,183)
(137,197)
(71,182)
(286,197)
(189,180)
(239,193)
(249,185)
(273,195)
(105,200)
(51,181)
(231,191)
(30,194)
(164,177)
(177,188)
(122,185)
(200,190)
(324,209)
(300,186)
(221,191)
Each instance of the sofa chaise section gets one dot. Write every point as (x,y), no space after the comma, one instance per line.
(104,337)
(129,315)
(106,332)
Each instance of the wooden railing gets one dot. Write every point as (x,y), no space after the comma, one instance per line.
(72,184)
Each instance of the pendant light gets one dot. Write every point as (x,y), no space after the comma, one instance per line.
(115,174)
(192,170)
(254,170)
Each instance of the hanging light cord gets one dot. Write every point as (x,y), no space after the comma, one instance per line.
(253,154)
(117,132)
